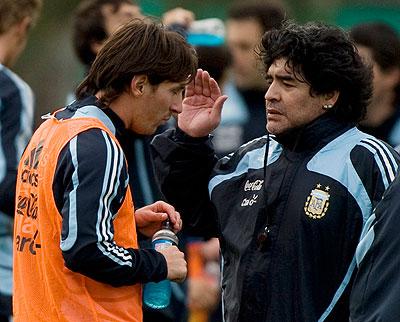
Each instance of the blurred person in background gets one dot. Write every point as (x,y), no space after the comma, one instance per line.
(76,224)
(93,23)
(379,44)
(96,20)
(17,18)
(375,292)
(204,304)
(289,207)
(243,117)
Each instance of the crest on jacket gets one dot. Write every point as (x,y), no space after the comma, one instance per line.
(317,202)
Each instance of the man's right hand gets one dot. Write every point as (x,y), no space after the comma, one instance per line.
(176,263)
(202,106)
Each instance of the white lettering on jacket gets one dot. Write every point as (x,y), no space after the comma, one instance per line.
(253,186)
(249,202)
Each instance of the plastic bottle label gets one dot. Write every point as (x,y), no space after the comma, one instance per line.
(161,244)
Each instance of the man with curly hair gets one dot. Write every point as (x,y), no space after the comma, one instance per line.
(288,207)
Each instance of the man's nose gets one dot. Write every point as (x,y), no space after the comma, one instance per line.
(177,105)
(272,93)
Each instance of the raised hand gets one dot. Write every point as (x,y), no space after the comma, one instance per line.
(149,218)
(202,106)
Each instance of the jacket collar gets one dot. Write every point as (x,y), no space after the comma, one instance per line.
(315,135)
(120,130)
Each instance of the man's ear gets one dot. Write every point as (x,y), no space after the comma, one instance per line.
(331,98)
(25,25)
(138,84)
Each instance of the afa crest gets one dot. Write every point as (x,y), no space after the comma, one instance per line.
(317,202)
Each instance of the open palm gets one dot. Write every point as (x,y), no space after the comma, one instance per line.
(202,106)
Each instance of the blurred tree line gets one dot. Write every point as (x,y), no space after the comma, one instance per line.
(49,64)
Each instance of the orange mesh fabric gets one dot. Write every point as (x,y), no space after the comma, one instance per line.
(44,289)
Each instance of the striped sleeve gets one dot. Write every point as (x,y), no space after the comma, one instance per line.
(378,171)
(16,120)
(377,174)
(89,188)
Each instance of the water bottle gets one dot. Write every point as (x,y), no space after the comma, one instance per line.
(157,295)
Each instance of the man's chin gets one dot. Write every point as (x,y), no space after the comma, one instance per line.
(275,130)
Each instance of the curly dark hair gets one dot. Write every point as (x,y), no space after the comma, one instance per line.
(324,57)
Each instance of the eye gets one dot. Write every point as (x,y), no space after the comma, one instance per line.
(287,84)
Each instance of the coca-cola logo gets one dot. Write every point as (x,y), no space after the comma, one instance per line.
(253,186)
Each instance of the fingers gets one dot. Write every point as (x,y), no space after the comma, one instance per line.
(215,91)
(162,206)
(189,89)
(176,221)
(195,86)
(218,105)
(203,84)
(198,83)
(205,81)
(168,211)
(177,266)
(156,216)
(145,215)
(177,226)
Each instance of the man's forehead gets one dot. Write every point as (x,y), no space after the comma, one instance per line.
(281,65)
(249,28)
(126,9)
(133,11)
(175,84)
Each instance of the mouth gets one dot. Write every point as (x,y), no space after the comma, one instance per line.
(273,115)
(273,111)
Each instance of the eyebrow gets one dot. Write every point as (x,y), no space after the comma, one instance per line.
(178,87)
(283,77)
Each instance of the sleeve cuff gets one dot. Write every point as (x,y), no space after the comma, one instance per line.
(181,136)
